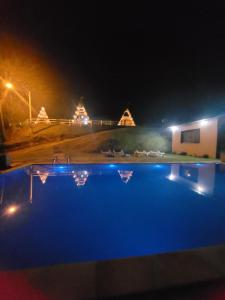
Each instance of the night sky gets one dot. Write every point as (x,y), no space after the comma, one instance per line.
(164,59)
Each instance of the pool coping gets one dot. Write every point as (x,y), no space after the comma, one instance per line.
(117,277)
(106,163)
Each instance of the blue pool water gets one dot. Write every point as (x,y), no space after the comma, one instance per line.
(67,214)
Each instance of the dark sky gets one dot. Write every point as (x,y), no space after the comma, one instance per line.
(166,59)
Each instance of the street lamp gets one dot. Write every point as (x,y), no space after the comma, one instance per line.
(10,86)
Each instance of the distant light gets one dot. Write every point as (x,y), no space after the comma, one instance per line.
(11,210)
(203,122)
(85,121)
(174,128)
(9,85)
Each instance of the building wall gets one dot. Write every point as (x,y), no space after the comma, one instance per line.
(208,139)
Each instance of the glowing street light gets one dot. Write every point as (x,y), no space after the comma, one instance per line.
(9,86)
(173,128)
(203,122)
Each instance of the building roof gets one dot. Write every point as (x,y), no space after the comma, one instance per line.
(196,121)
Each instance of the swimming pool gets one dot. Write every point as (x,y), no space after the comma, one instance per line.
(78,213)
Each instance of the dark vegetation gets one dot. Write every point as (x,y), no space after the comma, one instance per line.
(128,139)
(131,139)
(183,153)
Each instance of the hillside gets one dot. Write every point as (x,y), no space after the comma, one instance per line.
(129,138)
(18,138)
(88,144)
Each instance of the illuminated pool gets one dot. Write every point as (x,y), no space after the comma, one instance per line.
(76,213)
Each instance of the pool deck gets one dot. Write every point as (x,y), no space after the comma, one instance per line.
(18,162)
(117,278)
(45,155)
(80,150)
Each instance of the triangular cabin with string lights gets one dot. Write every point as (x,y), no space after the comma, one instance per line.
(126,119)
(80,115)
(42,116)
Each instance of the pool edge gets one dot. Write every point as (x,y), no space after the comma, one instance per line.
(90,280)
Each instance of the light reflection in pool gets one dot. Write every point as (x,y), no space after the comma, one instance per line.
(200,178)
(95,212)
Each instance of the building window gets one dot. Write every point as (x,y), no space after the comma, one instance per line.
(190,136)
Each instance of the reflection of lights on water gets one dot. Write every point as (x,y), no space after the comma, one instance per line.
(43,177)
(200,189)
(11,210)
(80,177)
(187,173)
(157,166)
(112,166)
(125,175)
(171,177)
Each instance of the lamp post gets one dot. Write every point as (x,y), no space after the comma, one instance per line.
(30,106)
(10,86)
(4,161)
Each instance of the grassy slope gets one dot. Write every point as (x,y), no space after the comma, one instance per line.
(44,134)
(83,149)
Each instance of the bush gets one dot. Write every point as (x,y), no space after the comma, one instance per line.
(205,156)
(111,144)
(131,139)
(183,153)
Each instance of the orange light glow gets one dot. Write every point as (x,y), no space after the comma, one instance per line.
(11,210)
(9,85)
